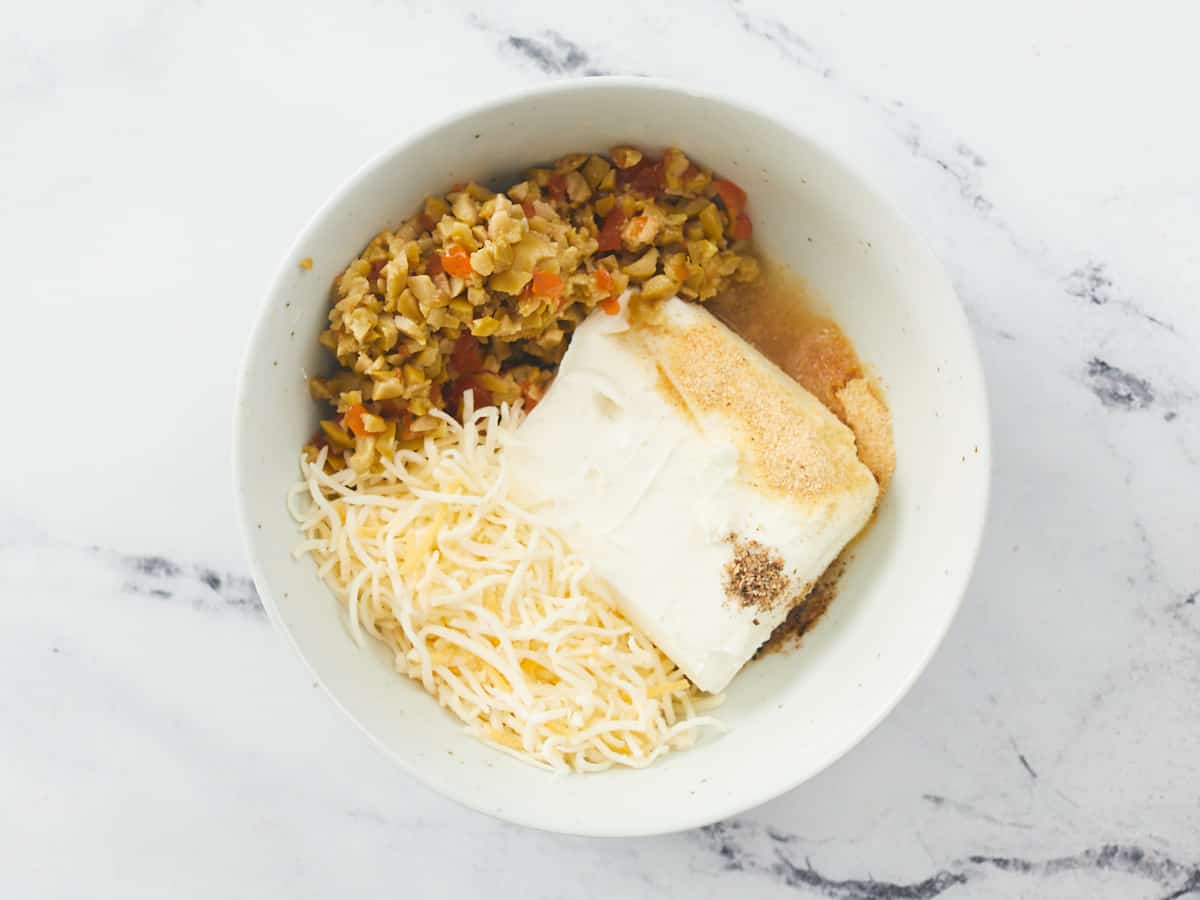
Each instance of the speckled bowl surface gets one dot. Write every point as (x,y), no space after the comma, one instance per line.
(791,714)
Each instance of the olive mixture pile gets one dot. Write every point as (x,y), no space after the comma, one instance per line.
(480,291)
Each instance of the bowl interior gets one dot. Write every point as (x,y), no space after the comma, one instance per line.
(791,714)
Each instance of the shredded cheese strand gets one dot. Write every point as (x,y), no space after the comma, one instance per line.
(484,605)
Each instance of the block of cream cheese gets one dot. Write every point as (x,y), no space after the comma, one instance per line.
(708,487)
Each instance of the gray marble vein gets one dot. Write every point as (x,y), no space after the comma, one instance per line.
(1092,283)
(160,577)
(548,51)
(553,54)
(962,165)
(1118,389)
(790,45)
(779,856)
(957,161)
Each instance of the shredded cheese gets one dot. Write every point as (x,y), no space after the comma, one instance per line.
(484,604)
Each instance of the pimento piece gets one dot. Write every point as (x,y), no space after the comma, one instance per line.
(557,186)
(434,266)
(483,397)
(734,200)
(354,420)
(604,280)
(527,205)
(467,356)
(731,195)
(392,409)
(610,233)
(405,431)
(533,393)
(612,306)
(547,284)
(453,395)
(456,389)
(646,170)
(457,261)
(649,178)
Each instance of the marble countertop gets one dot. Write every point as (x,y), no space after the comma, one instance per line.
(159,739)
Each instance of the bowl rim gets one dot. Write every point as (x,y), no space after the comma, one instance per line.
(974,384)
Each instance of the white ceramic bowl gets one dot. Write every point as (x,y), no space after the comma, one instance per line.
(791,714)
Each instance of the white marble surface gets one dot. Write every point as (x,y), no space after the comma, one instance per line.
(159,740)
